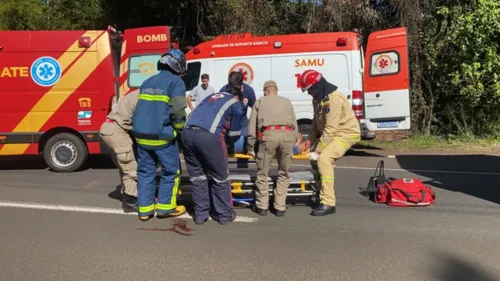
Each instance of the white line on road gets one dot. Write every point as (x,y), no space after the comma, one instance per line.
(422,171)
(88,209)
(403,170)
(398,170)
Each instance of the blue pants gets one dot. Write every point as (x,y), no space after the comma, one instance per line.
(206,155)
(146,179)
(240,145)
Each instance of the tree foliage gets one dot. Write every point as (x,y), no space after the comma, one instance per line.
(454,44)
(50,14)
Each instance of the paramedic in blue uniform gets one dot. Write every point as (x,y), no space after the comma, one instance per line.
(215,122)
(249,100)
(248,93)
(158,119)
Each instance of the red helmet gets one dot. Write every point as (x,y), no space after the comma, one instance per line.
(309,78)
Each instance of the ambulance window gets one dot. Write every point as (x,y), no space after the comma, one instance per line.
(386,63)
(192,76)
(141,68)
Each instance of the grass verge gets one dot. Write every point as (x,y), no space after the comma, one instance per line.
(427,142)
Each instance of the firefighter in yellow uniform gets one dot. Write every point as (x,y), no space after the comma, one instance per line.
(115,134)
(335,129)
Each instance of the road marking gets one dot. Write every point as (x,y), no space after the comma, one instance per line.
(95,210)
(399,170)
(422,171)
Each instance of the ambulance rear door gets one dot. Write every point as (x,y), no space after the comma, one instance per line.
(192,78)
(386,81)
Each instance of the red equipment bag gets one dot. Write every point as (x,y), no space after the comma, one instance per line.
(404,192)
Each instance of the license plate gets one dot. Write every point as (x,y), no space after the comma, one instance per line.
(388,124)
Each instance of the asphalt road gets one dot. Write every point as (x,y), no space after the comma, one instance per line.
(456,239)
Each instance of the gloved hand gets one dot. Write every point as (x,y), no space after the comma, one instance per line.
(313,156)
(251,153)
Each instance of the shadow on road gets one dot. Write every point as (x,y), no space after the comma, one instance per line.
(475,175)
(30,162)
(184,199)
(116,193)
(361,153)
(366,147)
(452,268)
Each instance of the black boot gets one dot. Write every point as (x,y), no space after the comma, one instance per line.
(259,211)
(323,210)
(129,203)
(279,213)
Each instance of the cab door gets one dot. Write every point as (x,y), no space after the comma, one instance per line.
(386,81)
(141,50)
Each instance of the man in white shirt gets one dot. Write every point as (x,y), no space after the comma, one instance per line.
(200,92)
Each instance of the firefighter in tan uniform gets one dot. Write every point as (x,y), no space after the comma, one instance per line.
(273,119)
(334,131)
(115,134)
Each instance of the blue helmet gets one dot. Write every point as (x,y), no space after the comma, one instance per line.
(173,60)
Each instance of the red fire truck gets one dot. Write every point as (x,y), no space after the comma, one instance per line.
(57,87)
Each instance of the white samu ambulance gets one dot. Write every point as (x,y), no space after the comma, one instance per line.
(377,84)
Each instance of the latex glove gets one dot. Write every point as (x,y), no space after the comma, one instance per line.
(251,153)
(314,156)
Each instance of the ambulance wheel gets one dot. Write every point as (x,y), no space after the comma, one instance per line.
(65,152)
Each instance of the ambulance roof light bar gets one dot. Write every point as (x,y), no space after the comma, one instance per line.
(341,42)
(195,50)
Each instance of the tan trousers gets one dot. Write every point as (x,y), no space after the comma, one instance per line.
(120,142)
(274,144)
(334,151)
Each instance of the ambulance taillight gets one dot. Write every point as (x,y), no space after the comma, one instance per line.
(357,104)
